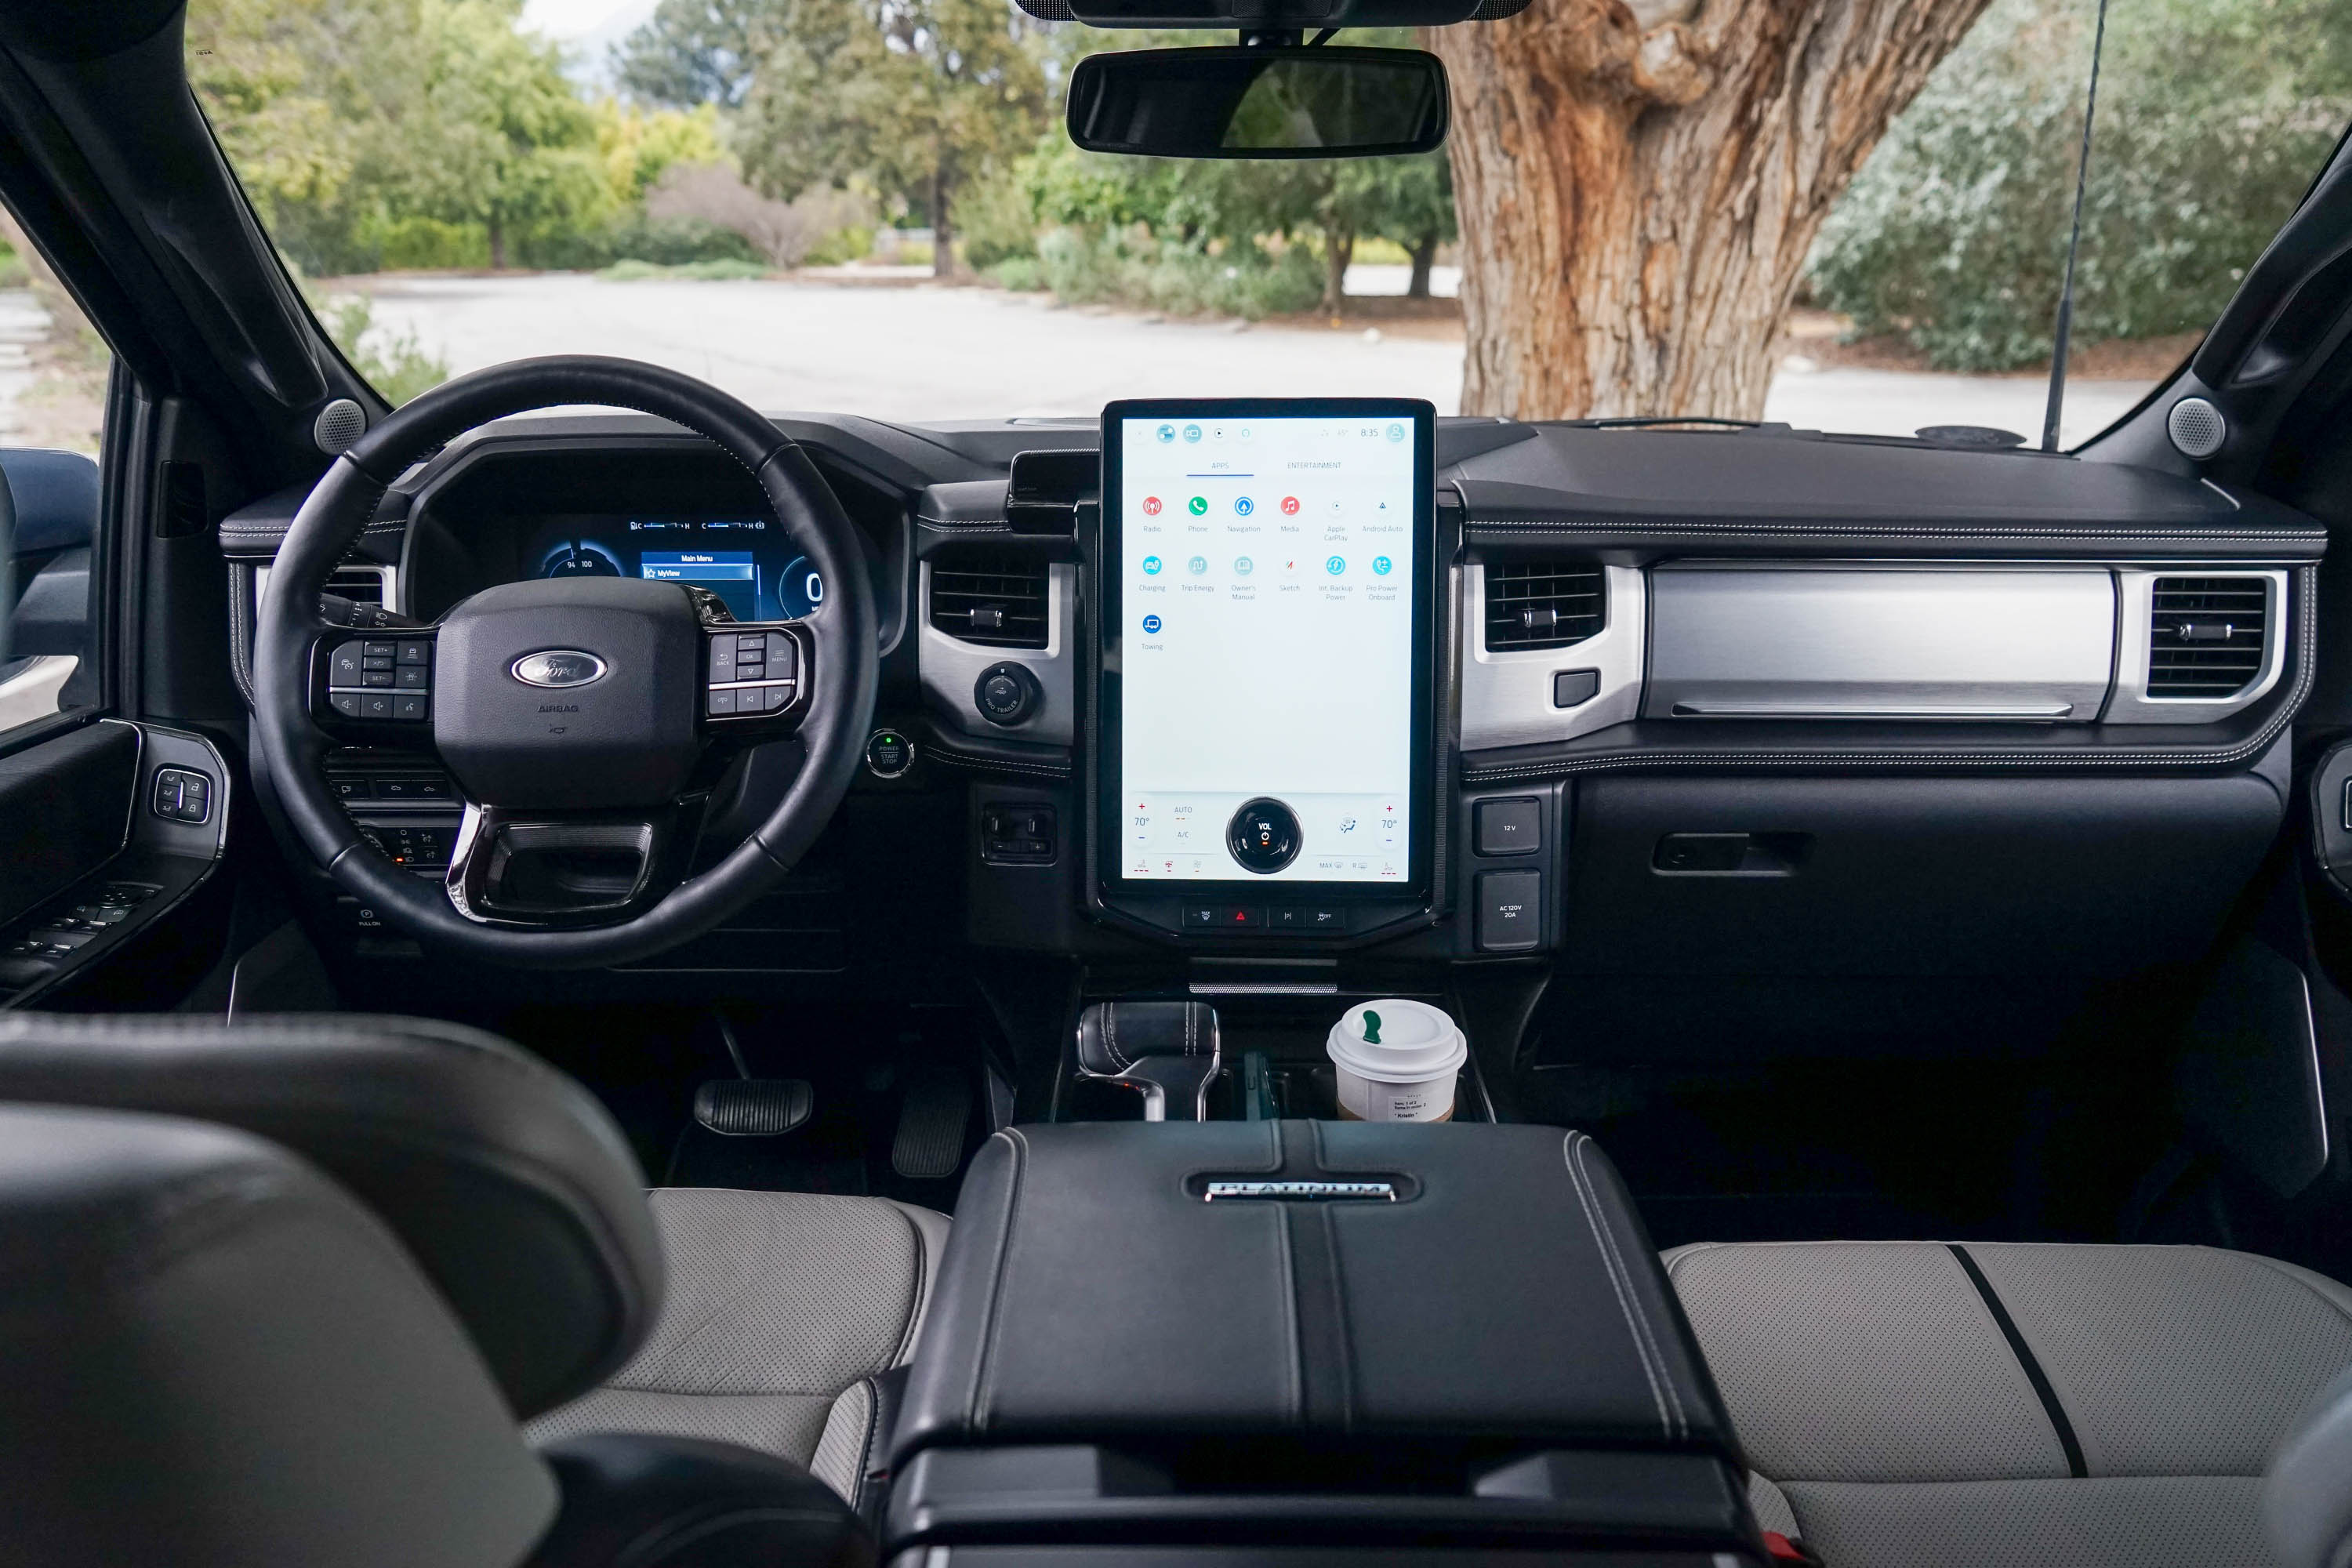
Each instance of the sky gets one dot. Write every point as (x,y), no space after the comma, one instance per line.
(587,30)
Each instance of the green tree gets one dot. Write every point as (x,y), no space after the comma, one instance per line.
(499,137)
(2214,116)
(913,97)
(697,52)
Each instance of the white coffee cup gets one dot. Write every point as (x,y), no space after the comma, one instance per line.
(1397,1061)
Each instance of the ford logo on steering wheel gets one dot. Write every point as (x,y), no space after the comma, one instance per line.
(558,666)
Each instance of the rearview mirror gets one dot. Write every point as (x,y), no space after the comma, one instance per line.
(1267,102)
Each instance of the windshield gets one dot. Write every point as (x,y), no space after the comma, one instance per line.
(870,206)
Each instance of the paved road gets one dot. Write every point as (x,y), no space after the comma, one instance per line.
(901,353)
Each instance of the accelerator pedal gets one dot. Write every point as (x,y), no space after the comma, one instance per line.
(929,1145)
(753,1107)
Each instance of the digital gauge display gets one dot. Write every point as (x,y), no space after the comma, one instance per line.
(752,567)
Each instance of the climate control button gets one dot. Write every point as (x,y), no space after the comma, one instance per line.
(1263,835)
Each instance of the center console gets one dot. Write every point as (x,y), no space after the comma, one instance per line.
(1231,1342)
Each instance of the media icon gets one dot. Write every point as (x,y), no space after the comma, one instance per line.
(1337,564)
(1151,566)
(1151,625)
(1198,564)
(1198,505)
(1152,506)
(1381,565)
(1244,506)
(1290,506)
(1244,565)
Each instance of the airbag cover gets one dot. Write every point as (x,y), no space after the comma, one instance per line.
(561,733)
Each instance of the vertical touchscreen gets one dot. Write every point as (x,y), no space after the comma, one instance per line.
(1267,650)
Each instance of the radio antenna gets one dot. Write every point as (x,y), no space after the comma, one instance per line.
(2073,246)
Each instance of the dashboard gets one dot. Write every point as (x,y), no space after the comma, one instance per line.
(1627,703)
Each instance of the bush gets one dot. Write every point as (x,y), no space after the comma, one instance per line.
(697,272)
(843,245)
(1245,280)
(424,244)
(2213,117)
(658,242)
(1022,274)
(388,360)
(995,221)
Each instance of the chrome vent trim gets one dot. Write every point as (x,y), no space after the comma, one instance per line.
(2152,686)
(989,598)
(1543,604)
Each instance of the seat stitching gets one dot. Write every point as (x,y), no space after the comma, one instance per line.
(906,1349)
(1641,1351)
(1642,1318)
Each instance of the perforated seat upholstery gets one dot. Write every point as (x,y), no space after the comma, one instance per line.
(783,1309)
(1990,1405)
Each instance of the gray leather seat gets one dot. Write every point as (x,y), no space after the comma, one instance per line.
(757,1317)
(782,1311)
(1988,1405)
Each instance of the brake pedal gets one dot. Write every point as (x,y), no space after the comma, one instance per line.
(753,1107)
(928,1144)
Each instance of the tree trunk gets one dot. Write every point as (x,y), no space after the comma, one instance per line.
(497,243)
(1425,257)
(1636,202)
(942,228)
(1338,249)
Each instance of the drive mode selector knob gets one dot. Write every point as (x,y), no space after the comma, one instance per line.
(1263,835)
(1006,693)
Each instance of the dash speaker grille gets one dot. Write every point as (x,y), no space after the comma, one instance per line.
(340,423)
(2197,427)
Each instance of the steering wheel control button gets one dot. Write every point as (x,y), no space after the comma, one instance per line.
(1510,911)
(722,702)
(1508,827)
(346,703)
(888,754)
(344,665)
(414,652)
(375,704)
(1263,835)
(357,672)
(411,707)
(1007,694)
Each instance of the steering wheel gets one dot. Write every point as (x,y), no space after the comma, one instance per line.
(584,720)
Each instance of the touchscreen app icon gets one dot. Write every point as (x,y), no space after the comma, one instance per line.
(1396,432)
(1337,564)
(1244,566)
(1198,505)
(1152,506)
(1167,434)
(1151,566)
(1150,624)
(1244,506)
(1192,432)
(1290,506)
(1198,564)
(1381,564)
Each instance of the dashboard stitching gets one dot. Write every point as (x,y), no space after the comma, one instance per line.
(1651,525)
(2306,645)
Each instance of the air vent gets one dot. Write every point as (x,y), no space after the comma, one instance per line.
(2205,636)
(1547,604)
(993,599)
(359,584)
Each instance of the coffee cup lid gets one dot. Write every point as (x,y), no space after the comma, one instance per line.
(1393,1039)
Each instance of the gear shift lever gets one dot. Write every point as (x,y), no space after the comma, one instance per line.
(1167,1050)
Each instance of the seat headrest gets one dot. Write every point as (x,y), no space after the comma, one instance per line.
(507,1181)
(210,1355)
